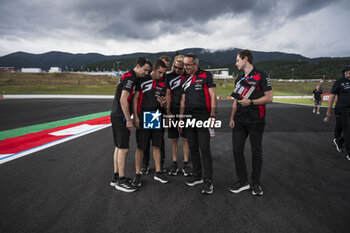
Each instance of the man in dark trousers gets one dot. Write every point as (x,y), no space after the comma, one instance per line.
(198,102)
(122,123)
(338,133)
(252,92)
(317,97)
(341,88)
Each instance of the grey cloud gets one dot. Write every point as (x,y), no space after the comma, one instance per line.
(136,19)
(150,19)
(301,7)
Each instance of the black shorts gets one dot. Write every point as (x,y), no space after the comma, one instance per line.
(174,132)
(318,102)
(143,136)
(121,134)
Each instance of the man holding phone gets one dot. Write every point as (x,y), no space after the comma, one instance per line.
(122,124)
(149,98)
(252,92)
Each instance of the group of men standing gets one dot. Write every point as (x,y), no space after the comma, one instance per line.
(187,93)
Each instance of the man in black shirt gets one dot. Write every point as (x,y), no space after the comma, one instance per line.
(173,96)
(317,97)
(341,88)
(149,98)
(122,123)
(146,151)
(252,92)
(199,101)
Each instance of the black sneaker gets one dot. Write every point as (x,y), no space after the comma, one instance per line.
(144,169)
(194,180)
(257,190)
(125,186)
(208,186)
(128,180)
(238,187)
(163,169)
(174,169)
(114,179)
(137,181)
(338,146)
(159,176)
(186,170)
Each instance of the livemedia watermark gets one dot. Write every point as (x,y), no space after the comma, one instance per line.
(153,120)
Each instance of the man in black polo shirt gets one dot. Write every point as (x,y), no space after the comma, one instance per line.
(122,123)
(252,92)
(317,97)
(173,96)
(148,100)
(199,101)
(341,88)
(146,152)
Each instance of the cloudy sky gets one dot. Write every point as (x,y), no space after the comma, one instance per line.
(312,28)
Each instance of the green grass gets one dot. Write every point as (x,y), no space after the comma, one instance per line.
(103,85)
(286,93)
(279,88)
(298,88)
(54,89)
(82,84)
(300,101)
(224,91)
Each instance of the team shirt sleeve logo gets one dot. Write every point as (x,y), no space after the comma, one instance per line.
(268,82)
(129,84)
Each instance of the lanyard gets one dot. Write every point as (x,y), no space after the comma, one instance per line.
(247,78)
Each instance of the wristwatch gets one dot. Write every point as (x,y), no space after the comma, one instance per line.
(251,102)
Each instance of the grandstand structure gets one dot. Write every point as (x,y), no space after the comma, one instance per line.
(220,73)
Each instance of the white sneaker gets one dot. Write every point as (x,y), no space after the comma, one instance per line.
(313,110)
(348,157)
(337,146)
(318,113)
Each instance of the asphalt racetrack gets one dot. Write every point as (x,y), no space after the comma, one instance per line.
(65,188)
